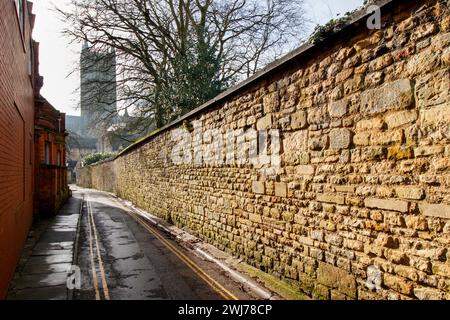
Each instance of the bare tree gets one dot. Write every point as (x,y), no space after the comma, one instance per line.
(172,55)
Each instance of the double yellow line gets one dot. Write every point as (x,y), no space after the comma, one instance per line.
(93,241)
(223,292)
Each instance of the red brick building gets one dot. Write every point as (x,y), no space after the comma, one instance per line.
(16,132)
(51,189)
(19,89)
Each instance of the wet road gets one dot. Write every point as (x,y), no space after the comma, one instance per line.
(121,256)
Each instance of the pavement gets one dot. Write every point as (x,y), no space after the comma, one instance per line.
(123,257)
(100,247)
(48,255)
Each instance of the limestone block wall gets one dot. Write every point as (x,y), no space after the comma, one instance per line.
(84,177)
(100,176)
(348,196)
(103,176)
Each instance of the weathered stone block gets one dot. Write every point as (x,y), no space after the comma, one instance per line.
(400,118)
(321,292)
(426,293)
(318,143)
(398,284)
(442,165)
(287,216)
(306,283)
(340,138)
(353,244)
(337,278)
(435,210)
(436,115)
(264,122)
(446,57)
(370,124)
(331,198)
(305,240)
(387,137)
(406,24)
(344,75)
(304,170)
(445,24)
(318,115)
(298,120)
(336,295)
(367,42)
(346,189)
(374,78)
(334,239)
(258,187)
(387,241)
(428,151)
(433,89)
(327,225)
(304,158)
(442,269)
(412,193)
(280,189)
(294,146)
(361,139)
(423,62)
(440,41)
(423,31)
(387,204)
(317,235)
(255,218)
(396,257)
(337,109)
(400,152)
(391,96)
(354,84)
(373,153)
(381,62)
(271,102)
(416,222)
(316,254)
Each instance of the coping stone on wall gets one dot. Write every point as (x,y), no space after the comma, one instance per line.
(355,20)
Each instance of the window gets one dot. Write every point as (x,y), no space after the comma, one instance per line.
(58,158)
(31,145)
(47,153)
(20,14)
(30,59)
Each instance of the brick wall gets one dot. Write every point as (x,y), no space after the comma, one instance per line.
(355,203)
(51,189)
(16,138)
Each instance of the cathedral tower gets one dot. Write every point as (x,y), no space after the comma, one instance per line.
(98,93)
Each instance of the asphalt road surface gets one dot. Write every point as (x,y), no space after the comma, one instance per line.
(122,256)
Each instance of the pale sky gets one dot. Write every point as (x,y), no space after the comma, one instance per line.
(58,57)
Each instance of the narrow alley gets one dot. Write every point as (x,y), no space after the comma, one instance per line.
(122,256)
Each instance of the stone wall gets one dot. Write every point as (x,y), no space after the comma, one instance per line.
(355,202)
(101,176)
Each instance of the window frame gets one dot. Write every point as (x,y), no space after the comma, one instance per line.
(47,153)
(58,158)
(31,60)
(21,15)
